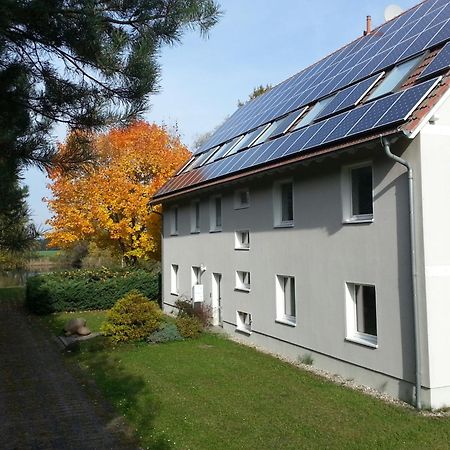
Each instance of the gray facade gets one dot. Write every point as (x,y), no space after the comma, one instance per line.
(325,255)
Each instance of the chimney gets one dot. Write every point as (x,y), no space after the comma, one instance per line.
(368,25)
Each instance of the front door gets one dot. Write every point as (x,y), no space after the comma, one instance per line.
(216,300)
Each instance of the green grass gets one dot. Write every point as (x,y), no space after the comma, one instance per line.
(45,253)
(213,393)
(12,293)
(55,322)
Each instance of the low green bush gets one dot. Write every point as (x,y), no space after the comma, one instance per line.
(168,332)
(81,290)
(189,326)
(132,318)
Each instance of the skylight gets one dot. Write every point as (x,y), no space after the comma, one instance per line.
(395,77)
(225,148)
(314,112)
(247,140)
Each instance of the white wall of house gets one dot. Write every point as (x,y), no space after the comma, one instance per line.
(323,254)
(435,199)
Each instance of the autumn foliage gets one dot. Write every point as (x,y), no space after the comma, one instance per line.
(108,203)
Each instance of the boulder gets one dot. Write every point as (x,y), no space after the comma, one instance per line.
(83,331)
(73,325)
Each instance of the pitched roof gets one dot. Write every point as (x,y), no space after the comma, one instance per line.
(382,83)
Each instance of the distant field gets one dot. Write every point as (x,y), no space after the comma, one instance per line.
(45,253)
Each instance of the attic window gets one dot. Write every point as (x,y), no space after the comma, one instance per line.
(225,148)
(314,112)
(395,78)
(247,140)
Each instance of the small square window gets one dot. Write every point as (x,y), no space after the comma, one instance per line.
(174,221)
(284,204)
(216,214)
(358,193)
(195,216)
(285,298)
(242,281)
(241,199)
(243,322)
(362,314)
(242,240)
(174,283)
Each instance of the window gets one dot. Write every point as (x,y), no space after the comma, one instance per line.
(362,314)
(195,216)
(242,240)
(283,204)
(395,78)
(248,139)
(174,220)
(196,275)
(241,198)
(358,193)
(243,322)
(242,281)
(216,214)
(174,284)
(313,112)
(285,298)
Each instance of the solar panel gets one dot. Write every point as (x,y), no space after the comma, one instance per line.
(439,63)
(408,101)
(350,96)
(271,115)
(422,27)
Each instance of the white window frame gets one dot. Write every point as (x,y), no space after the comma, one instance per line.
(281,315)
(352,333)
(213,227)
(174,279)
(278,207)
(238,244)
(174,220)
(195,227)
(243,281)
(347,195)
(196,276)
(237,198)
(243,322)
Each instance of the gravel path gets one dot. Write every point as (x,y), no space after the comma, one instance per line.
(42,405)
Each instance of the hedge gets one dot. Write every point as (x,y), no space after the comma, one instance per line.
(82,290)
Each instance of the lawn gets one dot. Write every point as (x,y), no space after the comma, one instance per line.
(15,293)
(214,393)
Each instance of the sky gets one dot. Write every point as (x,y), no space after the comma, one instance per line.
(254,43)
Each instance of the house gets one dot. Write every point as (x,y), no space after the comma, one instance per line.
(315,221)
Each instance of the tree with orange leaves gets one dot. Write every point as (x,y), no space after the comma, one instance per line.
(108,204)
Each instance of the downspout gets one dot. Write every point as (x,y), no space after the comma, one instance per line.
(412,229)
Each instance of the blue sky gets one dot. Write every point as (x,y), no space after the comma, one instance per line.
(255,42)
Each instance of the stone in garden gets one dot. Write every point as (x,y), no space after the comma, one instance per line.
(73,325)
(83,331)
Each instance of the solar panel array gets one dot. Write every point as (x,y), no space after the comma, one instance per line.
(439,63)
(420,28)
(349,96)
(386,111)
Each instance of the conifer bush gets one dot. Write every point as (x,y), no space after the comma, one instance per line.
(189,326)
(132,318)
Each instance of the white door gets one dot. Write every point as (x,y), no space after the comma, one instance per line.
(216,300)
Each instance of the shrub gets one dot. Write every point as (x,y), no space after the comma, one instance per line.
(168,332)
(202,311)
(81,290)
(132,318)
(189,327)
